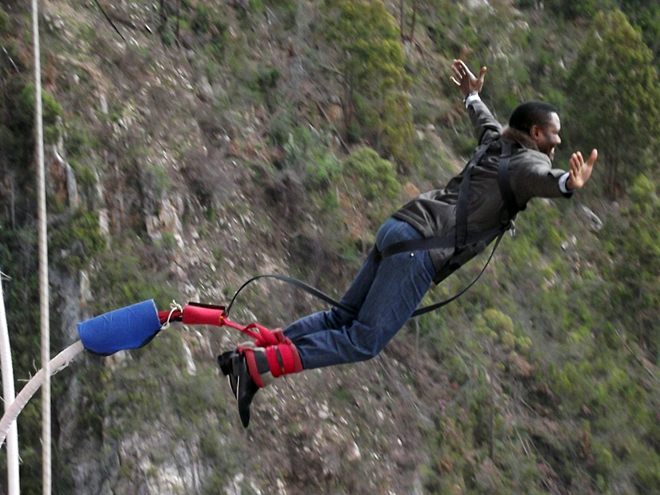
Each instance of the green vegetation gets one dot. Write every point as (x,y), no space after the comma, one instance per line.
(636,246)
(77,239)
(615,62)
(374,75)
(4,22)
(374,176)
(542,378)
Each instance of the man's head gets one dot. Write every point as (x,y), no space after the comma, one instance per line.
(541,122)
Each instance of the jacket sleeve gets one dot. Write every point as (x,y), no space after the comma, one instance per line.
(532,176)
(485,125)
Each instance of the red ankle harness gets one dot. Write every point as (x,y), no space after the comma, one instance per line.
(273,341)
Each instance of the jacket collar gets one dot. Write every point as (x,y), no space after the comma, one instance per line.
(521,137)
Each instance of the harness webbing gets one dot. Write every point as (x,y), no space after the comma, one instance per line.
(208,314)
(464,196)
(275,344)
(438,242)
(504,181)
(438,305)
(461,237)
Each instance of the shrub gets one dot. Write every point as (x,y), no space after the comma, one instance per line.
(51,109)
(4,22)
(307,149)
(374,176)
(125,277)
(265,82)
(78,238)
(84,175)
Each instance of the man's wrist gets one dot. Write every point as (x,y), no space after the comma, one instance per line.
(471,98)
(563,184)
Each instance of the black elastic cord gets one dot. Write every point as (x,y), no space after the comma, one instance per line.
(107,17)
(324,297)
(297,283)
(433,307)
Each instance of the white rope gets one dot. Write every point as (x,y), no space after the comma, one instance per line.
(8,396)
(43,260)
(174,306)
(58,363)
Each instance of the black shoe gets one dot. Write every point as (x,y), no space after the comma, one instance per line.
(225,363)
(234,366)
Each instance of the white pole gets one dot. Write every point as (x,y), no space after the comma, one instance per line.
(43,260)
(59,362)
(8,396)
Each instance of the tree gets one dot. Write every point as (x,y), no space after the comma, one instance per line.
(374,77)
(634,280)
(573,9)
(615,103)
(402,20)
(646,14)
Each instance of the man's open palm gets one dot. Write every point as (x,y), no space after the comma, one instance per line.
(581,171)
(465,80)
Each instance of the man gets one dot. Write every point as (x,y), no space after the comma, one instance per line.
(388,289)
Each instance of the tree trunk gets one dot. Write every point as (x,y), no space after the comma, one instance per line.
(178,22)
(163,19)
(414,20)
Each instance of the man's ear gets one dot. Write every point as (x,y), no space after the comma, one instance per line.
(535,132)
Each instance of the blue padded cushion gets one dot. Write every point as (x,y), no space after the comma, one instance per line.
(125,328)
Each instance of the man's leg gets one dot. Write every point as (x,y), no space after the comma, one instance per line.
(400,284)
(391,231)
(386,293)
(335,317)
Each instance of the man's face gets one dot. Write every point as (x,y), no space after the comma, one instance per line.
(547,138)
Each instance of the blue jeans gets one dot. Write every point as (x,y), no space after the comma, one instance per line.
(384,295)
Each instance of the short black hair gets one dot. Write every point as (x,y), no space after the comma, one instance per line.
(531,113)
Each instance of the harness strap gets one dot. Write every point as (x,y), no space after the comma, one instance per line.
(284,350)
(437,242)
(208,314)
(275,344)
(462,238)
(504,181)
(291,362)
(463,198)
(252,367)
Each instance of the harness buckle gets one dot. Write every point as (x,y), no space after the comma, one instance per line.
(512,227)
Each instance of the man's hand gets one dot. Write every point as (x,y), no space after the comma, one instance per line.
(465,80)
(580,171)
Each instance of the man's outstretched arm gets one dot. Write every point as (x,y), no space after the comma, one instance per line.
(485,125)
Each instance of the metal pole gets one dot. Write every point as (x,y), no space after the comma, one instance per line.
(43,259)
(8,396)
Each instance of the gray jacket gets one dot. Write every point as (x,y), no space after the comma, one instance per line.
(434,213)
